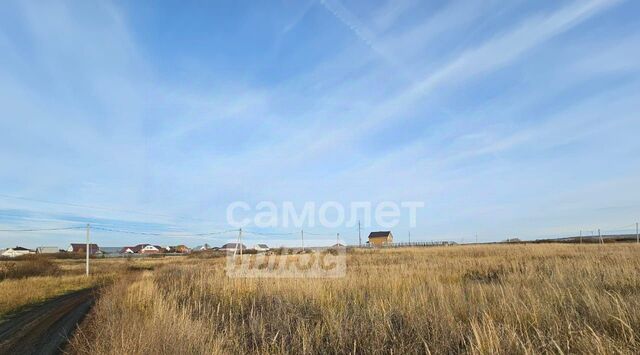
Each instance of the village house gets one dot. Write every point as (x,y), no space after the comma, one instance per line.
(127,250)
(230,247)
(142,249)
(149,249)
(15,252)
(82,248)
(382,238)
(47,250)
(261,247)
(201,247)
(180,249)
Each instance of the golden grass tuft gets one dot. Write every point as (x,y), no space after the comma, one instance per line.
(464,299)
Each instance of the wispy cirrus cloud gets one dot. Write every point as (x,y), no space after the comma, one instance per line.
(399,101)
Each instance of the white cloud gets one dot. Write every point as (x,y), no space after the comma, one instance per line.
(93,124)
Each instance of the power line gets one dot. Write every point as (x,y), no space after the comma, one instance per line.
(213,233)
(105,227)
(39,229)
(79,219)
(81,205)
(126,231)
(320,235)
(101,208)
(157,234)
(31,218)
(268,234)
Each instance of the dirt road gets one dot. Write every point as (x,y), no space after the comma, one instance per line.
(44,329)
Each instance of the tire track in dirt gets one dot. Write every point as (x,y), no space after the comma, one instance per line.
(45,328)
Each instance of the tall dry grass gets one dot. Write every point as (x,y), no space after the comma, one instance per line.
(477,299)
(33,279)
(27,268)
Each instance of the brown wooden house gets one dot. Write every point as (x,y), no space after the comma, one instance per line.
(378,239)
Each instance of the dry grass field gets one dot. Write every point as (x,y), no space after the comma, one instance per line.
(519,299)
(30,280)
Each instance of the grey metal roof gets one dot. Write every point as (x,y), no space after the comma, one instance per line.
(379,234)
(233,246)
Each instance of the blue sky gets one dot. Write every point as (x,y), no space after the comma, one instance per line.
(507,118)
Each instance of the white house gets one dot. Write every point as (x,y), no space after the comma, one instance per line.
(142,249)
(261,247)
(149,249)
(15,252)
(201,247)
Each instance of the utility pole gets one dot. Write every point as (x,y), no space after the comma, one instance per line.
(238,245)
(476,238)
(600,236)
(88,247)
(302,238)
(337,239)
(359,236)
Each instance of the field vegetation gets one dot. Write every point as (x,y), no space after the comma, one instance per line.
(510,299)
(32,279)
(27,267)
